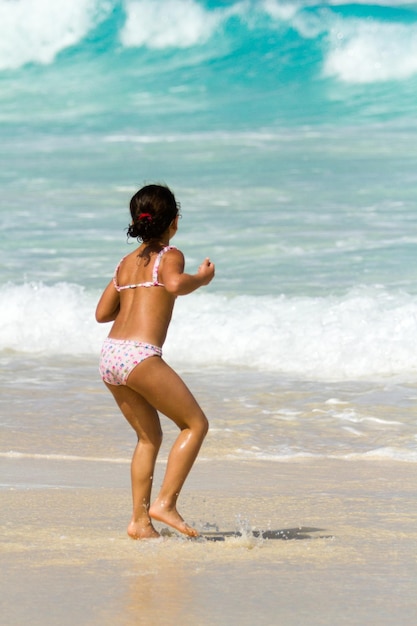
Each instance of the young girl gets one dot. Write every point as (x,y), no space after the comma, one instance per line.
(139,300)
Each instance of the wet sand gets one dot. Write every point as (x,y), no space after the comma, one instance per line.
(66,558)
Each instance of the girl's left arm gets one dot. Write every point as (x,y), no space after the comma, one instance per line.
(108,306)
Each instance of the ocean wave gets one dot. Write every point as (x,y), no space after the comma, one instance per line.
(181,23)
(363,334)
(357,43)
(36,32)
(371,51)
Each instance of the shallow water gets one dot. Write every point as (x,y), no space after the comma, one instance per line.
(280,455)
(71,561)
(252,415)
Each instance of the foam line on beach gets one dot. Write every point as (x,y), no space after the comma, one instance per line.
(61,457)
(386,453)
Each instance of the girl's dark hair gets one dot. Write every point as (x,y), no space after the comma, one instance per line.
(152,209)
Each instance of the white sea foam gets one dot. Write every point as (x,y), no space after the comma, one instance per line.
(387,453)
(359,50)
(354,336)
(369,51)
(181,24)
(281,10)
(37,31)
(13,455)
(359,335)
(58,319)
(379,454)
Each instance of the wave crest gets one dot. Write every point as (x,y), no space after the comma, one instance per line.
(181,24)
(371,52)
(365,333)
(35,32)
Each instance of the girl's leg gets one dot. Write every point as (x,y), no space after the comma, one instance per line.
(145,421)
(163,388)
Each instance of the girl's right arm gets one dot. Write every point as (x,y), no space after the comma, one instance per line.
(177,282)
(108,306)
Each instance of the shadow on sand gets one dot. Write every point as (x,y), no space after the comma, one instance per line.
(285,534)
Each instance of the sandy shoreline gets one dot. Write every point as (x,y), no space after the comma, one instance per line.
(66,558)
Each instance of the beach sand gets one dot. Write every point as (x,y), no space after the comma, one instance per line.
(67,560)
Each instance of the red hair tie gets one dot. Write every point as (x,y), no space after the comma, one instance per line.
(143,216)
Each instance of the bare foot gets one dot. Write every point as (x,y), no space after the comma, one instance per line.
(163,513)
(142,530)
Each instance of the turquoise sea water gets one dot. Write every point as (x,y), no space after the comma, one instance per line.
(288,133)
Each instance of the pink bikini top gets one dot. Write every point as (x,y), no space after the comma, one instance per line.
(150,283)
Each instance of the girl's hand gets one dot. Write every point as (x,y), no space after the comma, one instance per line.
(206,271)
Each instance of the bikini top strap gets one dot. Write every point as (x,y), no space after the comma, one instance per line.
(158,261)
(116,271)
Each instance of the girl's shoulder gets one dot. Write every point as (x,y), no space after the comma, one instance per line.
(169,249)
(169,252)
